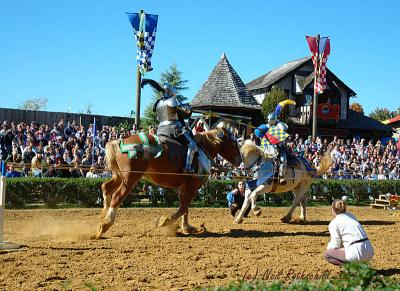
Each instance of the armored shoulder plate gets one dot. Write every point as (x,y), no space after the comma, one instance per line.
(282,126)
(172,102)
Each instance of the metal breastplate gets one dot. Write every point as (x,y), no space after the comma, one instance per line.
(167,112)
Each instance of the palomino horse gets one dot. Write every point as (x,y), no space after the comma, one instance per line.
(299,176)
(164,171)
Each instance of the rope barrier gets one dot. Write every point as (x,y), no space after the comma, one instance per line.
(222,168)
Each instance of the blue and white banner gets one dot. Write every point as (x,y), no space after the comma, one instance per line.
(145,28)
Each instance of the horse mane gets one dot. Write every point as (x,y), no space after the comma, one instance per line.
(210,136)
(249,148)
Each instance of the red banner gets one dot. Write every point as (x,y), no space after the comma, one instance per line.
(327,111)
(320,51)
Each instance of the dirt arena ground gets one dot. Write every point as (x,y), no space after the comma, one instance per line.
(58,253)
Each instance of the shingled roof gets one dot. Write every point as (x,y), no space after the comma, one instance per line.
(225,89)
(272,77)
(360,121)
(276,74)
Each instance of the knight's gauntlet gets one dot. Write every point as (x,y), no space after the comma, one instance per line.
(186,109)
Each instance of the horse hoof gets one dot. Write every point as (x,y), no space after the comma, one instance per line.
(238,220)
(163,221)
(285,219)
(189,230)
(99,232)
(257,211)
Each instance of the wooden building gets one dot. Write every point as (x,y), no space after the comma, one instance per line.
(335,118)
(224,97)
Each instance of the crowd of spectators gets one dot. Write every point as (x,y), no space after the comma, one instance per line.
(70,150)
(352,158)
(63,150)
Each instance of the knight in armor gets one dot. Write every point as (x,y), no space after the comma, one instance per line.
(171,113)
(274,134)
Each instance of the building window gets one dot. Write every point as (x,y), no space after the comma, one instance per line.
(308,99)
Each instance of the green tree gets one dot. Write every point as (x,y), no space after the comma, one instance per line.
(34,104)
(271,100)
(172,76)
(396,112)
(382,114)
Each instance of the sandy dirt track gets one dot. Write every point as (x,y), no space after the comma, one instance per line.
(58,253)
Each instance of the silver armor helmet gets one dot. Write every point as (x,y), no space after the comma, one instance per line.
(272,119)
(169,90)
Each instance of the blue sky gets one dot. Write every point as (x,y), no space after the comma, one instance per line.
(79,52)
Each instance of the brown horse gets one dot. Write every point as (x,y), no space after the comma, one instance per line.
(164,171)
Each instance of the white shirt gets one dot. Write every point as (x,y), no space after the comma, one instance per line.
(91,175)
(344,230)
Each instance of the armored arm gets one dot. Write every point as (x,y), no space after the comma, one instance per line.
(282,126)
(185,108)
(184,111)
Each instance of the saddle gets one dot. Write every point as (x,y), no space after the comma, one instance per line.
(148,146)
(177,150)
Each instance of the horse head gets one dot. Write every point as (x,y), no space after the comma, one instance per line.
(229,148)
(250,153)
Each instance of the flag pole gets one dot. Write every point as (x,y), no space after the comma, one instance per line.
(138,92)
(138,95)
(314,124)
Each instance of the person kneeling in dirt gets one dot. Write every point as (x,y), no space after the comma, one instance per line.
(349,241)
(236,199)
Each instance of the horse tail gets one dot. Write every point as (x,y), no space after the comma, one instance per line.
(110,159)
(326,163)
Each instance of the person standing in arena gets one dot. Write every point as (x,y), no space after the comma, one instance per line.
(349,241)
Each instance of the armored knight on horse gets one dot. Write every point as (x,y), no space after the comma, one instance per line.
(166,159)
(171,114)
(274,135)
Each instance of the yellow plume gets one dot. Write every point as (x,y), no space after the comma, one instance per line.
(287,102)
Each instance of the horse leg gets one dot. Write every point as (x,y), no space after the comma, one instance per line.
(126,184)
(298,195)
(108,188)
(303,203)
(260,190)
(186,193)
(185,226)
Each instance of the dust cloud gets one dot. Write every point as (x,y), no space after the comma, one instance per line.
(54,228)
